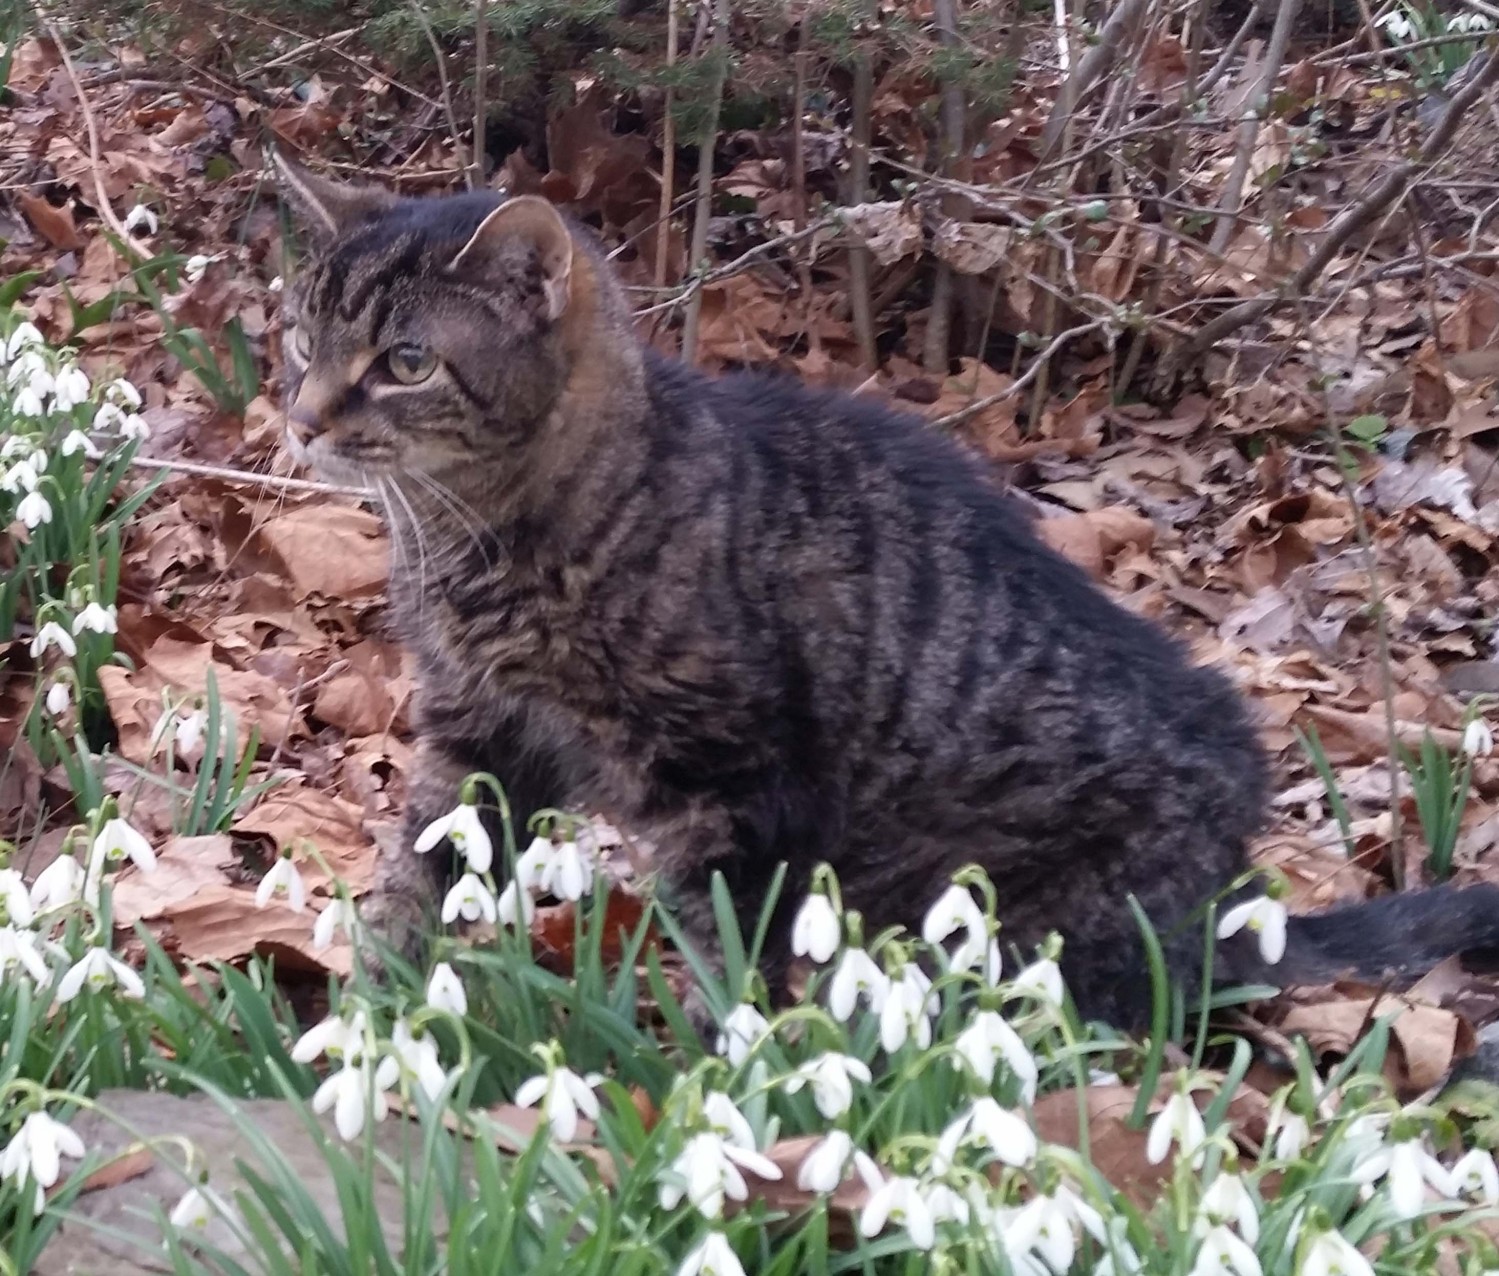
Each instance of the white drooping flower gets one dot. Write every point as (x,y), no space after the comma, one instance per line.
(141,218)
(20,477)
(15,900)
(823,1167)
(562,1094)
(832,1077)
(99,968)
(1005,1134)
(988,1039)
(336,1037)
(1228,1200)
(1178,1122)
(52,634)
(416,1052)
(1046,1226)
(857,976)
(1041,980)
(743,1030)
(117,841)
(70,388)
(816,931)
(18,949)
(338,915)
(724,1119)
(197,1207)
(954,910)
(195,266)
(26,337)
(1266,918)
(135,427)
(1291,1131)
(515,907)
(282,882)
(1408,1169)
(1330,1254)
(59,697)
(713,1257)
(445,990)
(355,1091)
(36,1154)
(100,620)
(1396,25)
(58,885)
(29,401)
(187,732)
(708,1171)
(122,393)
(470,899)
(465,830)
(899,1201)
(906,1014)
(30,371)
(564,870)
(34,510)
(1478,738)
(77,441)
(1225,1254)
(1476,1177)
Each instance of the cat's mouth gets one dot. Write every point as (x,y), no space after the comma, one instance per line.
(347,462)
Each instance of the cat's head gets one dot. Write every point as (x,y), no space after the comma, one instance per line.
(426,335)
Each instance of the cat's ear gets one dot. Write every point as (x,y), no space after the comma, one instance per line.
(323,207)
(534,222)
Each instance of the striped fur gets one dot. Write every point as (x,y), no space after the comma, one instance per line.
(750,621)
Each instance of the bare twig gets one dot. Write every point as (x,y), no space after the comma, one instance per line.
(937,345)
(668,150)
(1249,131)
(481,77)
(718,49)
(1122,22)
(249,477)
(860,263)
(101,196)
(441,60)
(1021,383)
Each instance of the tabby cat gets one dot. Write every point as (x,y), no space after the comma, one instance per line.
(754,622)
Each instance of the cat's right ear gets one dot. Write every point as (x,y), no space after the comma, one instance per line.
(325,208)
(536,223)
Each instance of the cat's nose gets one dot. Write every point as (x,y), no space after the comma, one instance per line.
(304,422)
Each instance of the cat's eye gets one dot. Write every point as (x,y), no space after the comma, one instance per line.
(301,343)
(410,364)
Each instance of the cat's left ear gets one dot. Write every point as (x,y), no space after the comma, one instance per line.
(534,222)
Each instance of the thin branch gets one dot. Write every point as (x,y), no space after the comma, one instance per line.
(246,476)
(668,149)
(1125,18)
(718,49)
(481,76)
(441,59)
(1031,373)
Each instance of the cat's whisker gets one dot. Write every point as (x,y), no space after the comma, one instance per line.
(418,535)
(467,516)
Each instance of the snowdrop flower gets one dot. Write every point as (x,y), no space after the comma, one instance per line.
(707,1171)
(141,218)
(416,1052)
(727,1121)
(59,697)
(1045,1226)
(356,1089)
(1407,1167)
(1478,739)
(22,476)
(562,1094)
(857,976)
(816,931)
(905,1014)
(1396,25)
(1224,1254)
(1475,1176)
(1227,1200)
(338,915)
(117,840)
(515,906)
(1041,980)
(1178,1122)
(53,635)
(282,881)
(743,1030)
(463,828)
(30,369)
(1331,1255)
(195,266)
(1264,916)
(276,284)
(196,1208)
(77,441)
(570,874)
(899,1201)
(954,910)
(109,417)
(135,427)
(469,899)
(832,1078)
(445,990)
(822,1168)
(70,388)
(15,900)
(100,968)
(335,1036)
(18,948)
(25,337)
(987,1040)
(187,732)
(58,885)
(34,510)
(28,402)
(101,620)
(945,1205)
(1291,1132)
(1005,1134)
(36,1153)
(714,1257)
(121,393)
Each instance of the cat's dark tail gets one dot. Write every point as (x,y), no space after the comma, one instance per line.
(1392,939)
